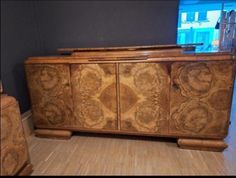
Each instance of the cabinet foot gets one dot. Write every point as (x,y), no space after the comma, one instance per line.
(202,144)
(26,171)
(58,134)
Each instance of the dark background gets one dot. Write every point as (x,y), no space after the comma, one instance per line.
(33,28)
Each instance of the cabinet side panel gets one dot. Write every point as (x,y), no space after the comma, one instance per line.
(94,96)
(200,98)
(144,97)
(50,93)
(14,151)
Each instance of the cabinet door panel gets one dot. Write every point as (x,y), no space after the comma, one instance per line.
(50,91)
(144,97)
(200,98)
(94,95)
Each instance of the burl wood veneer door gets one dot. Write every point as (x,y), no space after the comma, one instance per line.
(50,91)
(144,97)
(94,95)
(200,98)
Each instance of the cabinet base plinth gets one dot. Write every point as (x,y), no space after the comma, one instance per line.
(202,144)
(26,171)
(57,134)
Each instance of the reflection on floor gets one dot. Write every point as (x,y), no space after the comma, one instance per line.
(99,155)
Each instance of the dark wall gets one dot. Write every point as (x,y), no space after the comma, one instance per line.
(18,41)
(30,28)
(106,23)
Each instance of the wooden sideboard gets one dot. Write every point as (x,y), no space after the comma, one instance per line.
(14,150)
(144,90)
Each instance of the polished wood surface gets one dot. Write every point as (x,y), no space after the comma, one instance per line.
(201,98)
(50,92)
(94,95)
(14,150)
(135,58)
(198,144)
(116,55)
(149,91)
(129,48)
(124,48)
(144,97)
(59,134)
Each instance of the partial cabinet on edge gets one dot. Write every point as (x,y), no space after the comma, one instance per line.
(13,147)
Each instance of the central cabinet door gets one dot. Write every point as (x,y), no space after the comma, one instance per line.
(94,95)
(144,97)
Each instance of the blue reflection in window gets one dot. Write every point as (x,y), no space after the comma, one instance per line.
(197,21)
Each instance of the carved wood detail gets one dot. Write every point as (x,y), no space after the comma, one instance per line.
(144,97)
(94,95)
(200,98)
(50,92)
(14,152)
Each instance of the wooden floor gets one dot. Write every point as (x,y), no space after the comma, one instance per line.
(106,155)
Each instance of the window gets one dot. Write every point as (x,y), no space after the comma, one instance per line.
(204,37)
(179,20)
(197,22)
(202,16)
(190,16)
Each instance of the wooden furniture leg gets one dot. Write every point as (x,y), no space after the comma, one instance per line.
(202,144)
(58,134)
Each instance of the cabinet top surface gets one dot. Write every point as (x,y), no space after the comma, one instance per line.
(123,48)
(153,53)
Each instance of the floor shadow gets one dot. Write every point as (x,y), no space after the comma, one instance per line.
(128,137)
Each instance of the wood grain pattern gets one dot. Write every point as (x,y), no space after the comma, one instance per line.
(202,144)
(59,134)
(127,54)
(128,48)
(156,91)
(144,97)
(50,92)
(94,95)
(148,58)
(14,151)
(200,98)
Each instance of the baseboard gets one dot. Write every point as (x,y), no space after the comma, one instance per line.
(27,123)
